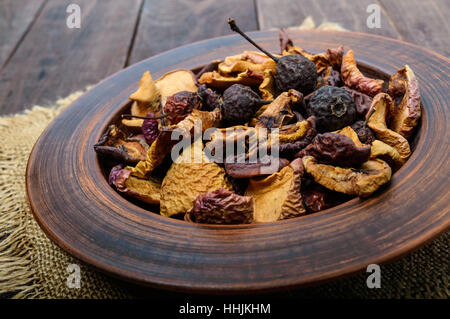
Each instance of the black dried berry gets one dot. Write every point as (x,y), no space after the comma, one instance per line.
(180,105)
(295,72)
(333,108)
(292,71)
(365,134)
(240,103)
(210,99)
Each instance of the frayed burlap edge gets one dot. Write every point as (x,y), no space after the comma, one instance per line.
(31,266)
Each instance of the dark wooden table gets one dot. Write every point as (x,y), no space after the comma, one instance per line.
(41,59)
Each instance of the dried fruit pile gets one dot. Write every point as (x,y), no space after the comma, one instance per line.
(340,135)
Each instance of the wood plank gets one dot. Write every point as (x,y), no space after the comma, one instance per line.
(422,22)
(351,15)
(54,61)
(16,16)
(167,24)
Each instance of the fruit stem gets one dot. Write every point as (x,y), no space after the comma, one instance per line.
(264,102)
(129,116)
(235,28)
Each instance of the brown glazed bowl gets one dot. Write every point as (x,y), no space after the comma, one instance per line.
(75,206)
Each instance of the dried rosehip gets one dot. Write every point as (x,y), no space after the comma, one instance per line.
(150,129)
(222,207)
(180,104)
(365,134)
(240,103)
(210,99)
(362,101)
(295,72)
(336,149)
(333,108)
(292,71)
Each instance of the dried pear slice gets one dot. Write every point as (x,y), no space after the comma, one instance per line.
(267,87)
(174,82)
(405,116)
(145,100)
(187,178)
(387,153)
(279,112)
(361,182)
(377,122)
(354,79)
(146,190)
(278,196)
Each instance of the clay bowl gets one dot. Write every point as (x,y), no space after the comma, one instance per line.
(76,207)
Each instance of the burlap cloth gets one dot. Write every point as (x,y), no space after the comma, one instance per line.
(32,266)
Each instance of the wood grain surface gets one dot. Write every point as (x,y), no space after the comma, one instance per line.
(76,207)
(16,17)
(54,61)
(171,23)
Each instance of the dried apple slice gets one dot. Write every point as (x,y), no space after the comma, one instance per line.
(278,196)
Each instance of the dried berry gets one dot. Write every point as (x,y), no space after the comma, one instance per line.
(330,58)
(150,129)
(180,105)
(336,149)
(362,101)
(292,71)
(365,134)
(317,198)
(210,99)
(329,77)
(222,207)
(240,102)
(333,108)
(296,72)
